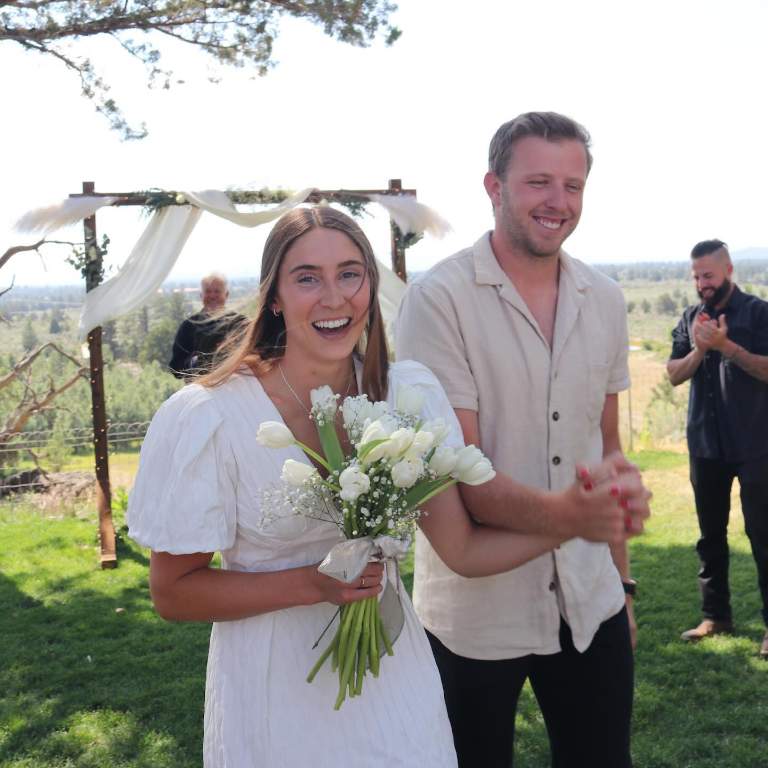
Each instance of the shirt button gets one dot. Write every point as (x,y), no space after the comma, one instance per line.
(555,460)
(552,586)
(555,415)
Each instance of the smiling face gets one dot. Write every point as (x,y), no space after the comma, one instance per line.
(324,295)
(711,274)
(538,203)
(213,293)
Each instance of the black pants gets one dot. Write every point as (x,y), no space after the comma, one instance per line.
(585,698)
(712,480)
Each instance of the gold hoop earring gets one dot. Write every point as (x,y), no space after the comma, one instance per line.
(275,312)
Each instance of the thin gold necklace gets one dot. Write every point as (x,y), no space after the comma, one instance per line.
(298,399)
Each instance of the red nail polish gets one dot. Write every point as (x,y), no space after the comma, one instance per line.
(588,486)
(583,474)
(624,503)
(614,490)
(627,522)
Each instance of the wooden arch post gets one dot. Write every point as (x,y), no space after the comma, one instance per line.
(93,275)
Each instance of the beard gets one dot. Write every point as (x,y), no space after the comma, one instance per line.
(519,238)
(718,294)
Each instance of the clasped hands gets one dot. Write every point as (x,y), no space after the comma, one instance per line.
(610,500)
(710,334)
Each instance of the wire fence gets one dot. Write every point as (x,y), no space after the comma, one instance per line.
(28,459)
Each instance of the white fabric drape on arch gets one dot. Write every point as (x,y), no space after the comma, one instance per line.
(159,246)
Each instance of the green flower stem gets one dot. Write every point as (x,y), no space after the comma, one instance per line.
(356,647)
(362,649)
(346,623)
(325,654)
(335,653)
(349,656)
(373,639)
(313,454)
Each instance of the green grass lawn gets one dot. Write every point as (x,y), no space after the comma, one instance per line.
(90,677)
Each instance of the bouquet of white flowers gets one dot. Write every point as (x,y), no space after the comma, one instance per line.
(373,496)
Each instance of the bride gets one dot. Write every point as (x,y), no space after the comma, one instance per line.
(197,492)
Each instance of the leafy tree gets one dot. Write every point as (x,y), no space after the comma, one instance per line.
(630,307)
(158,342)
(646,305)
(57,316)
(28,336)
(666,305)
(176,308)
(234,32)
(109,337)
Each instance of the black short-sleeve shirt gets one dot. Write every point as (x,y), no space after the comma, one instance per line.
(728,408)
(197,340)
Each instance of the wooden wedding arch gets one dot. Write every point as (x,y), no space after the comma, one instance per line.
(93,276)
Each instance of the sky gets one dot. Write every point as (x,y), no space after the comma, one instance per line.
(671,92)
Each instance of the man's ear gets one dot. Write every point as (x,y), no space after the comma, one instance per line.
(492,184)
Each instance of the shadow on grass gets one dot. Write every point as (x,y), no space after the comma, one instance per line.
(702,706)
(90,676)
(94,679)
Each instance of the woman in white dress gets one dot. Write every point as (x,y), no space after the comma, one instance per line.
(197,492)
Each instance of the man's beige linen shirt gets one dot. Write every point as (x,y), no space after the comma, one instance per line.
(539,413)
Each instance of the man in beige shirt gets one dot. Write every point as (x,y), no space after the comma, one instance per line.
(531,348)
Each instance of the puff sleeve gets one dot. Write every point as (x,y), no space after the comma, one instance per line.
(184,496)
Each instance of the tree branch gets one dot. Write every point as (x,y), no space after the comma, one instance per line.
(26,410)
(26,362)
(13,250)
(234,32)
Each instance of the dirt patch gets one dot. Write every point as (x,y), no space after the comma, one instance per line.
(52,490)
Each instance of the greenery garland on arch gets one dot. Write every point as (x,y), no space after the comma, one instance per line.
(356,205)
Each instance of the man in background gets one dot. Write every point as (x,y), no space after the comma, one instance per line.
(531,348)
(200,335)
(721,345)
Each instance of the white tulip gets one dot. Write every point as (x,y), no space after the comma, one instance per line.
(380,429)
(399,442)
(354,482)
(406,472)
(409,400)
(443,461)
(422,443)
(274,434)
(297,472)
(472,467)
(438,428)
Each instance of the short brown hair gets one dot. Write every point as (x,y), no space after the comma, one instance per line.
(262,340)
(546,125)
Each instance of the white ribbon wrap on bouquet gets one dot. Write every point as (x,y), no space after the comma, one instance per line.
(347,560)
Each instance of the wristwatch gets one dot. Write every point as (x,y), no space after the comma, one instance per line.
(630,586)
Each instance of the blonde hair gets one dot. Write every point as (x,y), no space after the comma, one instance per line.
(261,341)
(214,277)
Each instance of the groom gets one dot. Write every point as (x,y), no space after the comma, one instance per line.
(531,348)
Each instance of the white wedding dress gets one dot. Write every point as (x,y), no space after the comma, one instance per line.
(197,490)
